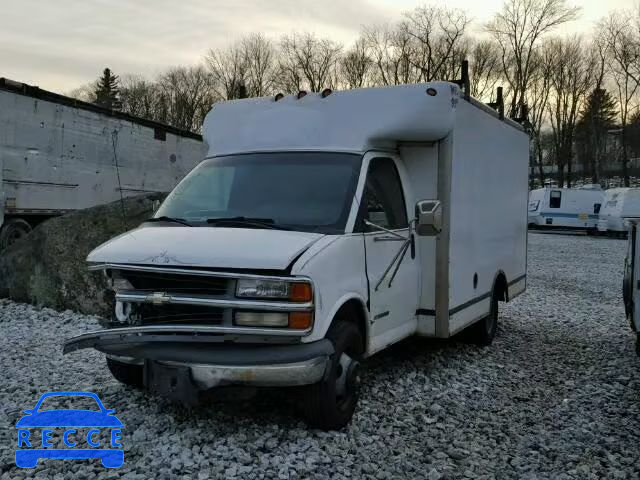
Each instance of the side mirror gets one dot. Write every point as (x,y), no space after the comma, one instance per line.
(156,205)
(428,218)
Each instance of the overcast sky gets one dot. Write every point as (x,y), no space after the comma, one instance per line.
(61,44)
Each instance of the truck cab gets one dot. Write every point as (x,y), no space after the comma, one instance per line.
(320,230)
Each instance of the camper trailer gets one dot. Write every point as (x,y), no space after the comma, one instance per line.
(58,154)
(620,204)
(565,208)
(338,224)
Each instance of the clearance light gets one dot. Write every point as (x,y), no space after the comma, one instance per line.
(302,93)
(326,92)
(279,96)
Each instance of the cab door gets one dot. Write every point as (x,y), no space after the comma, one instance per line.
(393,276)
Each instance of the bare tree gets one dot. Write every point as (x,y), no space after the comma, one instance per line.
(356,66)
(518,28)
(391,49)
(186,96)
(259,65)
(228,68)
(438,41)
(485,68)
(306,61)
(140,97)
(571,78)
(538,99)
(622,42)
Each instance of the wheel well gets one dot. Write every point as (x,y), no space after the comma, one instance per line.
(500,287)
(353,311)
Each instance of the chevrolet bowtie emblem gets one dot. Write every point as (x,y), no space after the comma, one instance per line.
(158,298)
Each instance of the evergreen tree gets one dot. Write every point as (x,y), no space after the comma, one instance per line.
(107,91)
(598,116)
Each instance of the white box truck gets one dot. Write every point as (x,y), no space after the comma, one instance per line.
(620,204)
(58,154)
(321,229)
(565,208)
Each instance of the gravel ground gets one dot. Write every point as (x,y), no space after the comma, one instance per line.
(556,396)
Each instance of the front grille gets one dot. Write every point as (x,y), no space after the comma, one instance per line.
(179,315)
(172,283)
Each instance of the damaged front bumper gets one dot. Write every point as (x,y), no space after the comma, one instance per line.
(207,359)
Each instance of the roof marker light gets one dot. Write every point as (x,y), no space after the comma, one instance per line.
(301,94)
(279,96)
(326,92)
(432,92)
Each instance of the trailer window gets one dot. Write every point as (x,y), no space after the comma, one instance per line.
(596,207)
(533,206)
(383,197)
(555,199)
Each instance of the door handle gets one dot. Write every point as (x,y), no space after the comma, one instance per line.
(389,238)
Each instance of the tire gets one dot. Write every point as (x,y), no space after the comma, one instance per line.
(13,231)
(484,331)
(127,374)
(324,407)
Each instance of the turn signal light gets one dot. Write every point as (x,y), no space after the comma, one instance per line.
(300,292)
(300,320)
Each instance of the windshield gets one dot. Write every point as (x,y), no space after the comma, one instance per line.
(307,191)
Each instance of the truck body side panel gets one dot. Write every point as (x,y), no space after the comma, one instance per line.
(488,212)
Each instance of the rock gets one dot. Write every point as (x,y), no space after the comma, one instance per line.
(48,267)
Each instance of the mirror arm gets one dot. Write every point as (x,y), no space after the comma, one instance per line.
(398,257)
(390,232)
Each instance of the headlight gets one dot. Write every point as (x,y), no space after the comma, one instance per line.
(274,289)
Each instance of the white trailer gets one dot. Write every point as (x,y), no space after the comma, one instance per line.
(59,154)
(565,208)
(620,204)
(338,224)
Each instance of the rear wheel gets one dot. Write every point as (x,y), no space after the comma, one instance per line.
(13,231)
(484,331)
(131,375)
(330,403)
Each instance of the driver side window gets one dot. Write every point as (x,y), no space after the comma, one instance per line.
(383,199)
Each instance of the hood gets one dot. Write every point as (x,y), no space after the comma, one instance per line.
(212,247)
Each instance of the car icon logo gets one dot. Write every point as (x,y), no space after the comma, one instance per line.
(72,420)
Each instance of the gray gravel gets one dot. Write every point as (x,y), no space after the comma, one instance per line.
(556,396)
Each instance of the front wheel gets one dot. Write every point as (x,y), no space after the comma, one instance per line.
(330,403)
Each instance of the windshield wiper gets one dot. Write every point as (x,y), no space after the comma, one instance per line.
(242,221)
(181,221)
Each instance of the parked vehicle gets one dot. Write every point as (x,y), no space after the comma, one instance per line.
(620,204)
(565,208)
(321,229)
(58,154)
(631,281)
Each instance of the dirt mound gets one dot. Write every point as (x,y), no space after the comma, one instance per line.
(48,268)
